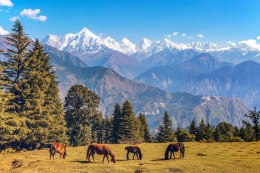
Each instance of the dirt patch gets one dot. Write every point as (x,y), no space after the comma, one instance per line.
(201,154)
(258,152)
(174,170)
(16,163)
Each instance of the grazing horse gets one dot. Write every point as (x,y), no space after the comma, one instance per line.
(174,148)
(134,149)
(100,149)
(58,148)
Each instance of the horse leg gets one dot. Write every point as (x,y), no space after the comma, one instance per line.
(170,154)
(134,156)
(103,158)
(127,155)
(107,158)
(92,154)
(173,155)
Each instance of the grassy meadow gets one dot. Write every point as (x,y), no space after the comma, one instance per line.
(199,157)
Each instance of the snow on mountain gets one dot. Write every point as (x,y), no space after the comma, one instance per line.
(87,42)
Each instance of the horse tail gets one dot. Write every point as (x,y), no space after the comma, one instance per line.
(166,154)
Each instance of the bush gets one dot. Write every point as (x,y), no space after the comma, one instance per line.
(236,139)
(8,151)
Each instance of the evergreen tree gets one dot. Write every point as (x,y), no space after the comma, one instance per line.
(107,124)
(165,132)
(201,131)
(116,123)
(12,127)
(34,84)
(209,132)
(96,127)
(247,132)
(14,67)
(81,105)
(255,116)
(192,128)
(144,129)
(184,136)
(224,132)
(128,130)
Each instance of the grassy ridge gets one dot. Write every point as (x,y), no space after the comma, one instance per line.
(219,157)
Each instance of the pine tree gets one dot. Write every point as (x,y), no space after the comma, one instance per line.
(192,128)
(144,129)
(107,126)
(224,132)
(184,136)
(128,129)
(165,132)
(209,132)
(16,56)
(201,131)
(96,127)
(116,123)
(12,127)
(34,85)
(246,132)
(255,116)
(81,105)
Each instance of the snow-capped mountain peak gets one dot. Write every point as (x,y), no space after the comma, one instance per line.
(86,41)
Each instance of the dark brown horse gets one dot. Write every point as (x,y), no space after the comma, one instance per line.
(58,148)
(100,149)
(174,148)
(134,149)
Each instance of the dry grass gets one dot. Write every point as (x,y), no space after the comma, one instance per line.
(219,157)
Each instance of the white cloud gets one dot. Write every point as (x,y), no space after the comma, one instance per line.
(258,37)
(251,43)
(32,14)
(200,35)
(13,19)
(183,34)
(3,32)
(7,3)
(175,33)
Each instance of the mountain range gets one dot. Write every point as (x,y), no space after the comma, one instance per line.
(163,73)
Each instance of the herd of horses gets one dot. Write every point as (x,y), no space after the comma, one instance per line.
(104,150)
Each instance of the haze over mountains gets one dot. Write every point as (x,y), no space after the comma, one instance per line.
(158,75)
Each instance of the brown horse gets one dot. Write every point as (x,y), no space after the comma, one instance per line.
(174,148)
(58,148)
(100,149)
(134,149)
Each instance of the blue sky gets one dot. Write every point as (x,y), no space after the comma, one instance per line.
(216,20)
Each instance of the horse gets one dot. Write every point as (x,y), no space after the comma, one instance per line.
(134,149)
(100,149)
(175,148)
(58,148)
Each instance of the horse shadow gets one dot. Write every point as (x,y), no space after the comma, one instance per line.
(160,159)
(81,161)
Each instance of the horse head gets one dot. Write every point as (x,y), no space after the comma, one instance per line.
(65,153)
(140,155)
(113,158)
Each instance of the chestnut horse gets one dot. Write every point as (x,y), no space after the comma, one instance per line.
(100,149)
(134,149)
(174,148)
(58,148)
